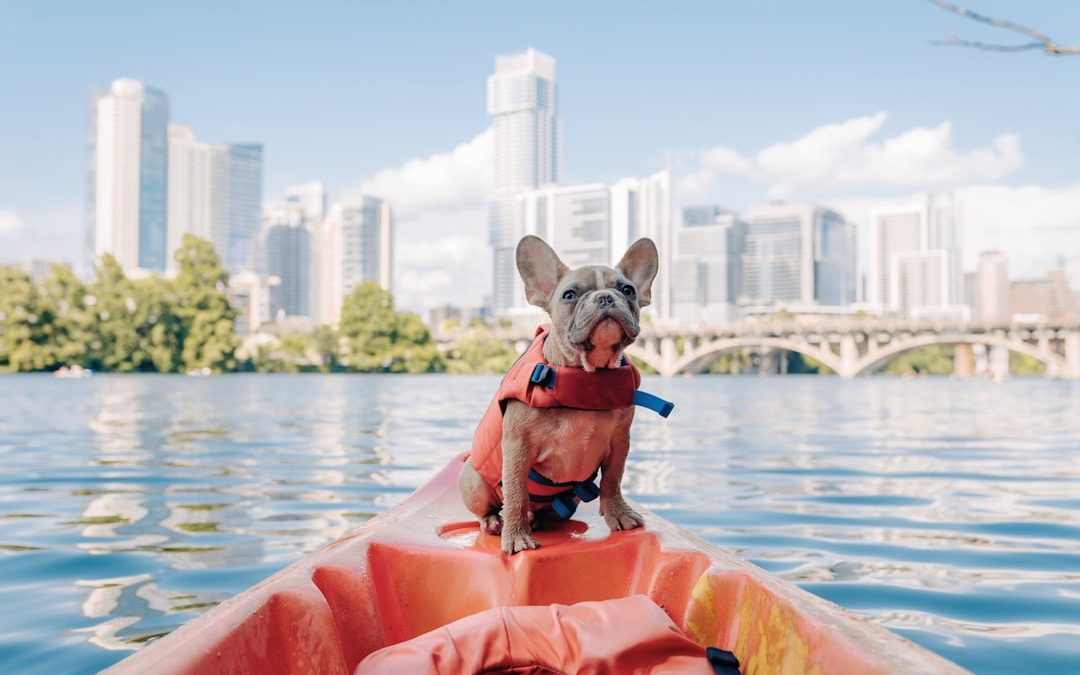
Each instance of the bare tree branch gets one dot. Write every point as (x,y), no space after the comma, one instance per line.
(1040,40)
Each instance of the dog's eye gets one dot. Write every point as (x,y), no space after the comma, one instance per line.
(627,290)
(569,295)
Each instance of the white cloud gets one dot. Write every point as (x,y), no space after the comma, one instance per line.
(450,181)
(851,155)
(440,215)
(11,225)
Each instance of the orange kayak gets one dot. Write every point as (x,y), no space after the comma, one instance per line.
(421,582)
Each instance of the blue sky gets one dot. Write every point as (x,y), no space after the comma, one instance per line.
(341,91)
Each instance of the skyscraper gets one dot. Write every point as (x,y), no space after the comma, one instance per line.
(355,245)
(798,254)
(287,251)
(127,168)
(708,267)
(928,229)
(243,200)
(521,98)
(214,192)
(190,185)
(992,279)
(594,223)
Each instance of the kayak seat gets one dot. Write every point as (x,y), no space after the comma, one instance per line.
(625,635)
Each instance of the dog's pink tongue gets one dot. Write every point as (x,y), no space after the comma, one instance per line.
(606,338)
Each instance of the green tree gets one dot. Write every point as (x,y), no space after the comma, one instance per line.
(478,351)
(928,360)
(63,300)
(376,338)
(111,302)
(202,307)
(24,327)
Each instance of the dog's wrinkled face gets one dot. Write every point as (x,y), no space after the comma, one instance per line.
(594,309)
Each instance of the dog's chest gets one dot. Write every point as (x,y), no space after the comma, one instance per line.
(571,444)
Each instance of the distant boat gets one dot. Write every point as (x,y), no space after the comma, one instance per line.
(74,372)
(199,372)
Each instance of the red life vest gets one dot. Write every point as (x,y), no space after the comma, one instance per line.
(539,384)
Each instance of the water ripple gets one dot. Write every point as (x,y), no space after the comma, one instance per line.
(943,510)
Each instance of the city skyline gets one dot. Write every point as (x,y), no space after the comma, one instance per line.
(972,128)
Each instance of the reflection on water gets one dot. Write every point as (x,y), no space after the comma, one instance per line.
(945,510)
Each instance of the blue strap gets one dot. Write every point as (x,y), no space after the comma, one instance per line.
(653,402)
(544,375)
(565,503)
(722,661)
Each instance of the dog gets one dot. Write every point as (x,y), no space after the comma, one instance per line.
(595,316)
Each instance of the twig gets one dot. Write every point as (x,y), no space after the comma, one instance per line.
(1040,40)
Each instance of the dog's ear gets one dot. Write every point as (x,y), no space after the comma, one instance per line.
(639,264)
(540,269)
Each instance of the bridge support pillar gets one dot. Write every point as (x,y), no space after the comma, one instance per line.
(1072,355)
(963,361)
(669,354)
(849,356)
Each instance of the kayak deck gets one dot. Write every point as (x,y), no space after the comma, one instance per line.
(424,564)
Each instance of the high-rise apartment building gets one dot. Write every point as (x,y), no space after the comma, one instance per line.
(797,254)
(214,192)
(356,245)
(992,282)
(1049,299)
(191,181)
(127,168)
(287,250)
(926,230)
(521,98)
(707,270)
(594,224)
(243,201)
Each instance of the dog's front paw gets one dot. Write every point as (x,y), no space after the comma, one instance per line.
(521,540)
(622,517)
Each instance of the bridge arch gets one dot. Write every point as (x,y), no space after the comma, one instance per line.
(685,361)
(1054,363)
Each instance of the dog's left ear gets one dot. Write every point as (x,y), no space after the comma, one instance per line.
(540,269)
(639,264)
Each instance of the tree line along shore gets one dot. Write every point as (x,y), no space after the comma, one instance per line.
(185,324)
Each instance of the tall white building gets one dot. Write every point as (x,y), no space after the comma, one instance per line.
(920,237)
(521,98)
(594,224)
(797,254)
(127,165)
(356,245)
(214,192)
(992,283)
(193,167)
(707,270)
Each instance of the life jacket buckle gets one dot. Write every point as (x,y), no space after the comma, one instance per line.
(541,375)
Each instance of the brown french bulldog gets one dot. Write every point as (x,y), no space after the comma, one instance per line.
(595,316)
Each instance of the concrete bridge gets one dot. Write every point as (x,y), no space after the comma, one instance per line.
(850,348)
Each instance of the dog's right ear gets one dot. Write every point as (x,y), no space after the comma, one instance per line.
(540,269)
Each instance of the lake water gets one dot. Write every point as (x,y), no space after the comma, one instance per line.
(948,511)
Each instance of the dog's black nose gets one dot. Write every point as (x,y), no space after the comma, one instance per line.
(605,299)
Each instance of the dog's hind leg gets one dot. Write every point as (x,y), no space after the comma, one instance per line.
(480,498)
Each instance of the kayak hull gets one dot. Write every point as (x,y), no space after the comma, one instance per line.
(424,564)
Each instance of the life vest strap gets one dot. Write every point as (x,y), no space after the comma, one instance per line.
(543,374)
(653,402)
(565,503)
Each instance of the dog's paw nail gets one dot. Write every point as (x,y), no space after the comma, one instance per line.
(521,541)
(627,520)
